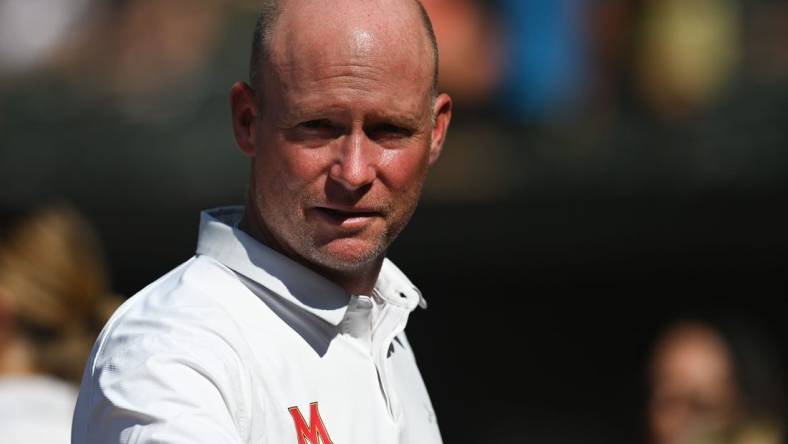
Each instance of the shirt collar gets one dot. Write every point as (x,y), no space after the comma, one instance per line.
(221,239)
(395,288)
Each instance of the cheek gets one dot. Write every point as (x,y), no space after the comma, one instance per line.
(402,170)
(289,169)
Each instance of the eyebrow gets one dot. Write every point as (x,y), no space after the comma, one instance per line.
(401,119)
(414,122)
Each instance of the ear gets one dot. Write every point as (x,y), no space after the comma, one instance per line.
(244,106)
(442,113)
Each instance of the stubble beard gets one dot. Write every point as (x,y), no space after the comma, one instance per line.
(300,240)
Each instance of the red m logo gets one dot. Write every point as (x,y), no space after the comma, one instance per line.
(315,432)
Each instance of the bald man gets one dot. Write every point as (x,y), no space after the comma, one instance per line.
(287,326)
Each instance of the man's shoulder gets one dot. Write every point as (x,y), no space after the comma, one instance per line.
(178,338)
(195,300)
(199,282)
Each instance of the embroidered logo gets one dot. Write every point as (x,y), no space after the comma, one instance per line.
(313,433)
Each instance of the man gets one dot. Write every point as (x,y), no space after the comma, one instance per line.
(287,325)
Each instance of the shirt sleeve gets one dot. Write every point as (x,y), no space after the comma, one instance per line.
(164,380)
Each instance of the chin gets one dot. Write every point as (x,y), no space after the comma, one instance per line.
(348,254)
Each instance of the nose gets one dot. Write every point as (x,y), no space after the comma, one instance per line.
(354,166)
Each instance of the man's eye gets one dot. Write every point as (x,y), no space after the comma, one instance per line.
(314,131)
(387,130)
(320,124)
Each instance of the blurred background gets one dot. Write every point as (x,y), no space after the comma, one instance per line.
(607,222)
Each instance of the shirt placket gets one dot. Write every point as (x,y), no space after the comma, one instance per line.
(357,321)
(390,323)
(376,336)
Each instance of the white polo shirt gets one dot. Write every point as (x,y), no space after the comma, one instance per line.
(240,344)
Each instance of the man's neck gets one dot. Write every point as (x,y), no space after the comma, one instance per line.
(361,281)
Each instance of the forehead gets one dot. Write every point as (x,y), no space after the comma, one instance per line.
(400,19)
(351,45)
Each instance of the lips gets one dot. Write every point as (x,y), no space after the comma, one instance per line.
(347,216)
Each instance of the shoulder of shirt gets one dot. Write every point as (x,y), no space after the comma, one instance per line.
(186,318)
(193,301)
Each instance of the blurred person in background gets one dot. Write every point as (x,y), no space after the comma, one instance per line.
(32,32)
(547,68)
(150,58)
(715,384)
(53,298)
(688,54)
(467,31)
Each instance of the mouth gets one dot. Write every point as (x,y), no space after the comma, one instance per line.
(348,218)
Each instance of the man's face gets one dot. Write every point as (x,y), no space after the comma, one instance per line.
(343,141)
